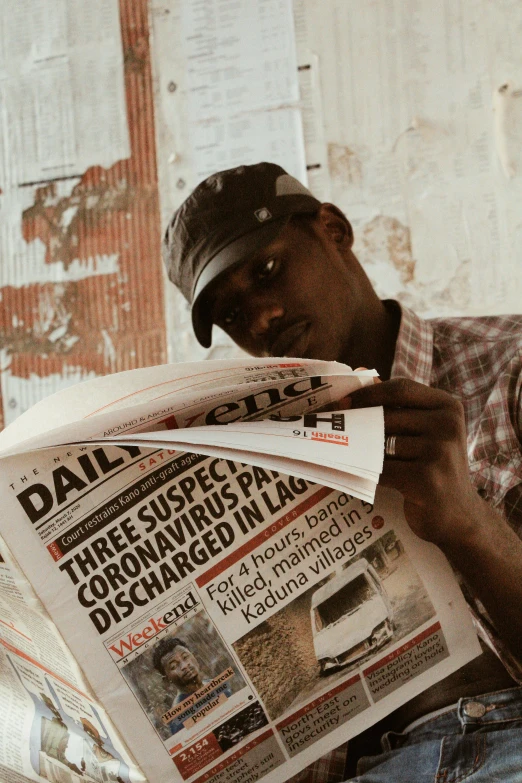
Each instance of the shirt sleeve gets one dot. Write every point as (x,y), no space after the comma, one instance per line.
(499,481)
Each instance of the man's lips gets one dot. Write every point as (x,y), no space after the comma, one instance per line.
(292,341)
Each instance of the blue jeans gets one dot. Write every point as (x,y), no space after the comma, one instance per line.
(480,741)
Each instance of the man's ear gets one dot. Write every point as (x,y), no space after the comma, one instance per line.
(335,224)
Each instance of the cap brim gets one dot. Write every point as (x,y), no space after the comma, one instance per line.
(232,254)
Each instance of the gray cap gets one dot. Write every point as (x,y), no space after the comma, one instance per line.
(227,218)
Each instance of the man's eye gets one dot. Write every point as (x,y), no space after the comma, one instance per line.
(230,316)
(265,270)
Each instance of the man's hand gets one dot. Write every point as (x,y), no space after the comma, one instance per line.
(430,464)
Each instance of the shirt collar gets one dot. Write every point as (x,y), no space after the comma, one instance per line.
(414,348)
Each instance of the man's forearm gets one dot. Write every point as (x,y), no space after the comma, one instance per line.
(490,560)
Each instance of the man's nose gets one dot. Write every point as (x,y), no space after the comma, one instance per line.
(263,316)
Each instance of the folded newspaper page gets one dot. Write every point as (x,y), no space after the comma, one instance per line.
(344,448)
(181,395)
(235,606)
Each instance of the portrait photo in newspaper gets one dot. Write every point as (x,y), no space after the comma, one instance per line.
(183,676)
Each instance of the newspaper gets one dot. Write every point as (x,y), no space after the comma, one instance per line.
(239,598)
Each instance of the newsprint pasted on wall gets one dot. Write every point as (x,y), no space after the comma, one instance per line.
(78,197)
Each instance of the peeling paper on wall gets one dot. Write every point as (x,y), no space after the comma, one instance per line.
(413,144)
(507,108)
(63,106)
(24,263)
(242,86)
(62,112)
(316,149)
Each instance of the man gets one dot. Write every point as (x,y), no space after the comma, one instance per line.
(176,662)
(255,253)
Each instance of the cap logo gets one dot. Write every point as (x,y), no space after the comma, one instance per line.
(290,186)
(263,214)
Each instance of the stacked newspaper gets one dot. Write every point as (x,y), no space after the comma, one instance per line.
(199,581)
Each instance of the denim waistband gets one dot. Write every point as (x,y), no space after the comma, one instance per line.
(471,713)
(429,716)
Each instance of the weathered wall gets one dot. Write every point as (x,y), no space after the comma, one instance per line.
(83,290)
(411,122)
(412,115)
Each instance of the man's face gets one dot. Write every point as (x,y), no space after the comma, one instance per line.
(181,667)
(297,297)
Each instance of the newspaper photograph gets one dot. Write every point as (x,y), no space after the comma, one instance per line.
(368,605)
(169,573)
(180,678)
(69,738)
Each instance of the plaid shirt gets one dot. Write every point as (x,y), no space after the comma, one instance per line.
(478,360)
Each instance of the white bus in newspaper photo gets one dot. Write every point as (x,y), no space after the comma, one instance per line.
(351,616)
